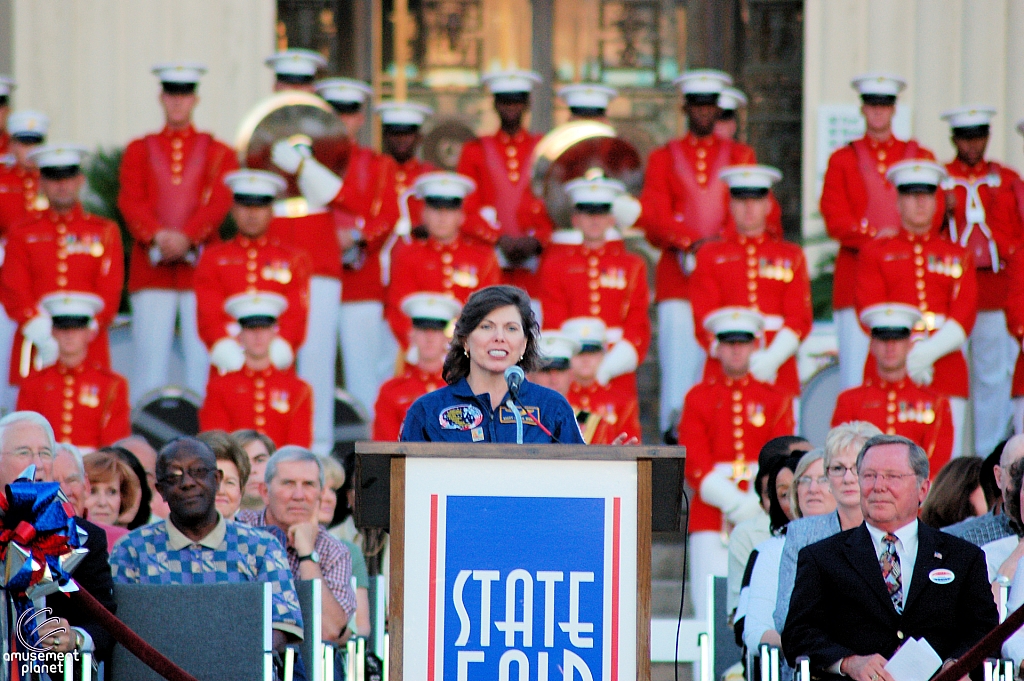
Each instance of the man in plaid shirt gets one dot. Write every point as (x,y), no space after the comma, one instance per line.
(195,545)
(994,526)
(293,485)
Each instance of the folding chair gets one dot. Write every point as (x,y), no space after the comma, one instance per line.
(212,631)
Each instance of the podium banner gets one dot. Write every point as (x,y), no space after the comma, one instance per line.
(520,569)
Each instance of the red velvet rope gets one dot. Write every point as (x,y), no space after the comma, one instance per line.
(130,640)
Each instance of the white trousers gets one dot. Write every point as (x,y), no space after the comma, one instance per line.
(368,350)
(8,394)
(958,407)
(853,347)
(708,556)
(992,357)
(680,355)
(154,312)
(316,360)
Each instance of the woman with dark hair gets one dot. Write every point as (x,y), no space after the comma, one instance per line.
(956,493)
(496,330)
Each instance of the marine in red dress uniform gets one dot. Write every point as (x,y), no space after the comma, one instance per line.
(60,249)
(514,219)
(7,85)
(617,408)
(726,420)
(600,278)
(917,267)
(443,262)
(19,180)
(685,204)
(982,216)
(259,396)
(86,403)
(429,315)
(749,267)
(858,205)
(888,398)
(173,198)
(252,261)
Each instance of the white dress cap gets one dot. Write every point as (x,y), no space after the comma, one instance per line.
(58,155)
(703,82)
(587,331)
(343,90)
(969,116)
(750,176)
(587,95)
(878,83)
(599,190)
(28,123)
(255,183)
(890,316)
(916,171)
(403,113)
(443,185)
(7,85)
(72,304)
(734,320)
(296,62)
(731,99)
(516,80)
(179,71)
(256,304)
(434,306)
(557,345)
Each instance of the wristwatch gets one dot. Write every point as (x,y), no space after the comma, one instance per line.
(314,556)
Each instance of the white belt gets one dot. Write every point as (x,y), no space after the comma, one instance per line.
(773,322)
(296,207)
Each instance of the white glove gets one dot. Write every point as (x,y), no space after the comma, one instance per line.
(490,216)
(412,355)
(716,489)
(318,184)
(764,364)
(403,227)
(47,352)
(626,210)
(227,355)
(621,359)
(923,355)
(281,353)
(285,156)
(39,329)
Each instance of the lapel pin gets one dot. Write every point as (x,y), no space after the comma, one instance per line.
(938,555)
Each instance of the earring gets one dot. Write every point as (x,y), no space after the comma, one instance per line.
(522,356)
(465,351)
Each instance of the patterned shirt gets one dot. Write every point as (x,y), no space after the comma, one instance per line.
(982,529)
(335,560)
(232,553)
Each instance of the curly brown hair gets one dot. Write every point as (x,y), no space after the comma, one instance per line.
(479,305)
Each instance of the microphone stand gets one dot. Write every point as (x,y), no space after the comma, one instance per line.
(518,417)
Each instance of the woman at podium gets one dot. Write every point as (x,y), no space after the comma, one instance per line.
(487,398)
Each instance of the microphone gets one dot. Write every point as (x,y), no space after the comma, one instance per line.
(514,378)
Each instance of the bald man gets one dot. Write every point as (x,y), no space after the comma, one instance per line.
(994,525)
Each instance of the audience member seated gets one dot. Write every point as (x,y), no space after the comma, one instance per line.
(1003,554)
(144,452)
(69,471)
(113,490)
(260,448)
(233,464)
(139,513)
(1013,648)
(996,524)
(26,438)
(292,488)
(753,629)
(956,494)
(842,444)
(749,533)
(334,481)
(196,545)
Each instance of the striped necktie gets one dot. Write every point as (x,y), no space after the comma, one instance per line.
(891,571)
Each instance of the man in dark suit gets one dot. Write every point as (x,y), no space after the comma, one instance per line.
(26,438)
(861,593)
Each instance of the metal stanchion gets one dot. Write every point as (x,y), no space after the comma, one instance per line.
(803,668)
(704,643)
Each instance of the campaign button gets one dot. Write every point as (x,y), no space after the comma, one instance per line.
(941,576)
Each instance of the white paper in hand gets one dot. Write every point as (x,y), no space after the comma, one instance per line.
(915,661)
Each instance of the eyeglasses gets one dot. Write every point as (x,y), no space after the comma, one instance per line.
(176,477)
(838,470)
(870,477)
(805,480)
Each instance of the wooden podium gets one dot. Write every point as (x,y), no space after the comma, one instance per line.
(519,561)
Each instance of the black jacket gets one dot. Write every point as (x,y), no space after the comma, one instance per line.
(840,605)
